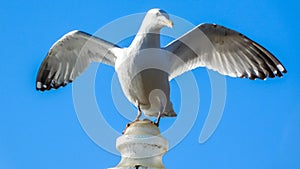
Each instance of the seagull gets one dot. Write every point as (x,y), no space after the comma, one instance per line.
(145,68)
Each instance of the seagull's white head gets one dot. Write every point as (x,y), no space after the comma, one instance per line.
(156,19)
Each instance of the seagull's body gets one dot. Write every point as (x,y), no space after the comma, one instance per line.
(138,80)
(145,68)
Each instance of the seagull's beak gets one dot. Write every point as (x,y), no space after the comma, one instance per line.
(168,23)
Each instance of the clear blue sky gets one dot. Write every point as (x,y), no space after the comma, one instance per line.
(261,121)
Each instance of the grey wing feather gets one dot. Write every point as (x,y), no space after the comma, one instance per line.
(70,56)
(223,50)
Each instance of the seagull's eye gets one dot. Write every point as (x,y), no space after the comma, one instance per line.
(157,13)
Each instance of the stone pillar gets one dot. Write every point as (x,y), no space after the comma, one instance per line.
(141,147)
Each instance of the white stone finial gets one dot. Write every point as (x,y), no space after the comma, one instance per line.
(141,147)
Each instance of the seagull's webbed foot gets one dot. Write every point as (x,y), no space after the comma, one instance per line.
(156,123)
(127,125)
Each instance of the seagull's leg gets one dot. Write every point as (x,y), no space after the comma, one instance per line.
(137,118)
(162,109)
(158,118)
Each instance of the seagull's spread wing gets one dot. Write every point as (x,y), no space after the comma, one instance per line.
(223,50)
(70,56)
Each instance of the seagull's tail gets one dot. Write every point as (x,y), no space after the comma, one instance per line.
(169,111)
(169,114)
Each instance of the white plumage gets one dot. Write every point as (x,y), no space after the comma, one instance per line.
(145,68)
